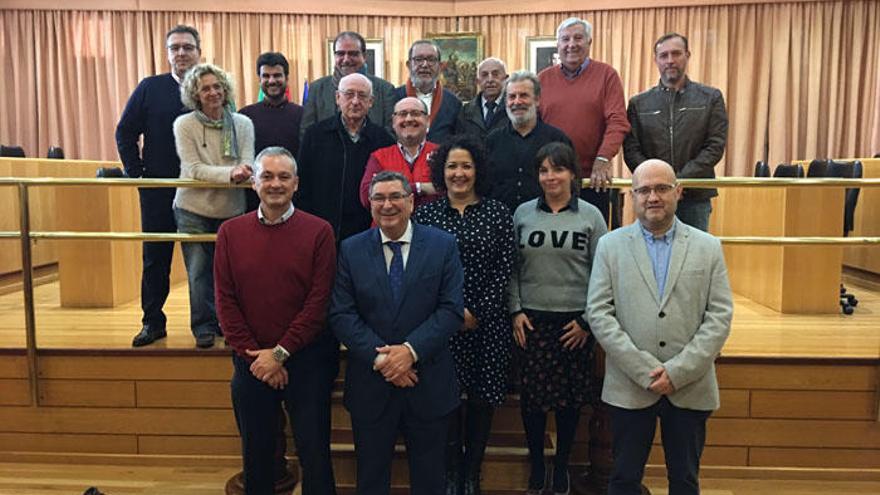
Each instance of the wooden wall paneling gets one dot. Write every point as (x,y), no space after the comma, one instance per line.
(92,393)
(734,404)
(184,394)
(712,455)
(148,421)
(815,458)
(866,222)
(15,392)
(215,366)
(813,404)
(189,445)
(832,377)
(65,442)
(12,366)
(793,433)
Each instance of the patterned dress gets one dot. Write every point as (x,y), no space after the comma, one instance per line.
(486,242)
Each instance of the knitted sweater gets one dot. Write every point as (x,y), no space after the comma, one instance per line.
(201,158)
(589,109)
(552,269)
(273,281)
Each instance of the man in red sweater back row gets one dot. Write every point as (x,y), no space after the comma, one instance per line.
(273,271)
(584,98)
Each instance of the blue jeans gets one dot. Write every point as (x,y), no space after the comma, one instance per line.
(199,260)
(695,213)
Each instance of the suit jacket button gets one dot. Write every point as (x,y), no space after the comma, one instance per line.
(662,314)
(662,343)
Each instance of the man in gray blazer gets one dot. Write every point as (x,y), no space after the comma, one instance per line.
(349,55)
(660,305)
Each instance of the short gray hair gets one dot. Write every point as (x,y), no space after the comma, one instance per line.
(273,151)
(524,75)
(424,42)
(493,59)
(571,21)
(390,176)
(353,76)
(189,88)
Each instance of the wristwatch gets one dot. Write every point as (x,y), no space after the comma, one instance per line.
(280,354)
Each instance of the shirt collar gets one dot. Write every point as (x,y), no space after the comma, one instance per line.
(667,236)
(405,238)
(572,204)
(497,100)
(284,218)
(173,75)
(406,155)
(573,74)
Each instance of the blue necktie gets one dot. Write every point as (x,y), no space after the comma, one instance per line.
(490,112)
(395,273)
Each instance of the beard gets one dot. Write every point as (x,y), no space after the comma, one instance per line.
(518,120)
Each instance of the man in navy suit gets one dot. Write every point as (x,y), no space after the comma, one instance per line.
(397,300)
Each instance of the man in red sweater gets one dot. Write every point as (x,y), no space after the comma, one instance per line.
(273,271)
(584,98)
(408,156)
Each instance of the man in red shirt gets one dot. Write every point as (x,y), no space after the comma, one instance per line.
(584,98)
(273,271)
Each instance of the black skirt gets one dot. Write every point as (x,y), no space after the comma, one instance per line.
(552,377)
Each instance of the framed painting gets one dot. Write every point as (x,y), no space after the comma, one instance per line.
(460,54)
(541,53)
(375,63)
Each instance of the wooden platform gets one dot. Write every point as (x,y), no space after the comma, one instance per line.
(757,330)
(799,398)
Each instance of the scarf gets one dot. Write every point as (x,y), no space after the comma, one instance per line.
(435,102)
(227,126)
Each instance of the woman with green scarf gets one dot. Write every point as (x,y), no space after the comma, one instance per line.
(215,144)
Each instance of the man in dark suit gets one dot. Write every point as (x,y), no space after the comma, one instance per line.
(150,112)
(396,302)
(485,113)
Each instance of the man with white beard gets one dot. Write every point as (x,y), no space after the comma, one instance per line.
(512,148)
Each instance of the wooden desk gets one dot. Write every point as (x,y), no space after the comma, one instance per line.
(92,274)
(795,279)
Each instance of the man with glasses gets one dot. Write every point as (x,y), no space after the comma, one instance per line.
(409,156)
(396,302)
(682,122)
(333,156)
(150,112)
(424,83)
(660,305)
(349,56)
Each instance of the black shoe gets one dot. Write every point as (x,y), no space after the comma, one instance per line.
(561,483)
(148,335)
(205,341)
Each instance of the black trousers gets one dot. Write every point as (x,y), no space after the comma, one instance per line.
(306,398)
(684,435)
(600,200)
(157,215)
(425,449)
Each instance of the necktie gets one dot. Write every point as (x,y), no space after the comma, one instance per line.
(395,273)
(490,112)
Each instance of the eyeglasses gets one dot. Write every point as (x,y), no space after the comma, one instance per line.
(409,113)
(185,47)
(351,94)
(393,197)
(350,53)
(660,189)
(425,60)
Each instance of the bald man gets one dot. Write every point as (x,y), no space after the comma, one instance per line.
(333,156)
(660,305)
(485,113)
